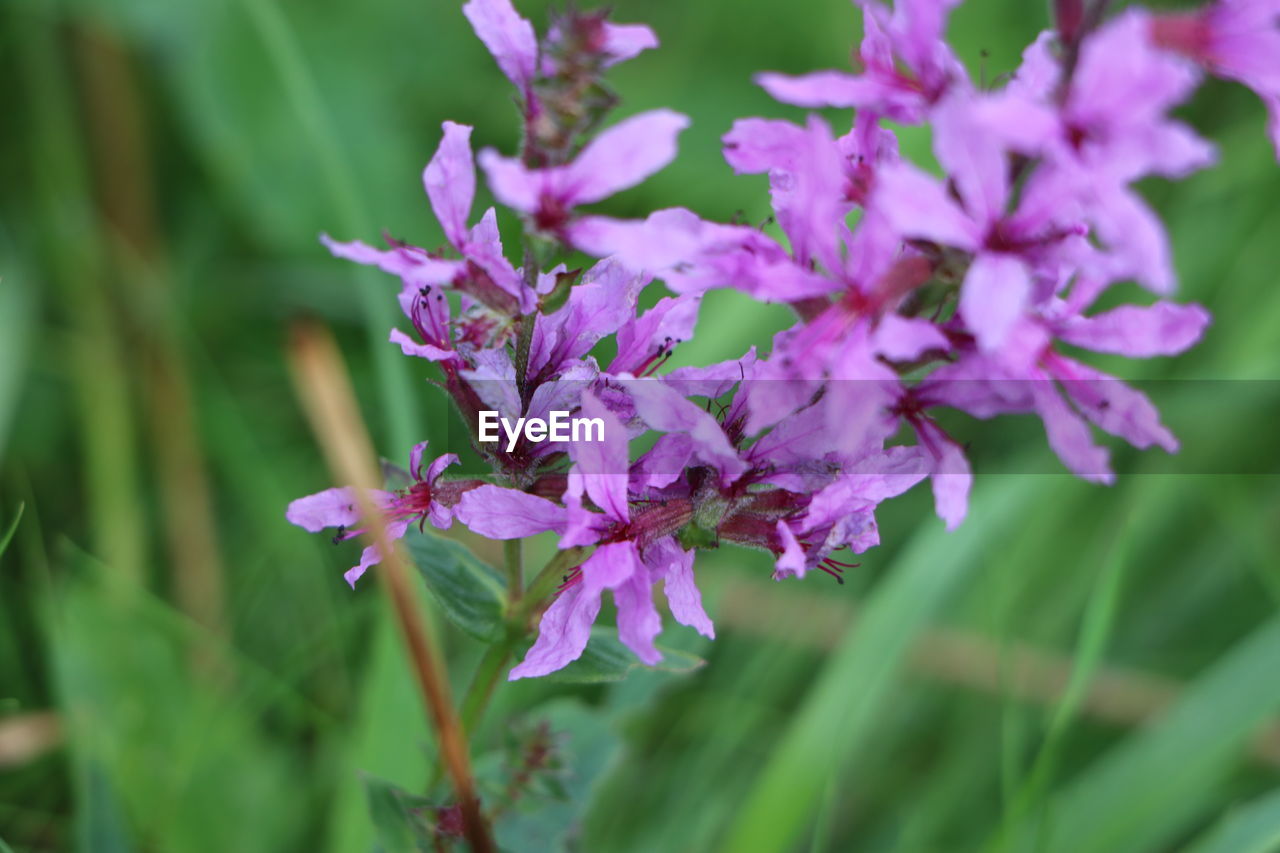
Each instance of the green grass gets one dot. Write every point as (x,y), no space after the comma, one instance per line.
(260,125)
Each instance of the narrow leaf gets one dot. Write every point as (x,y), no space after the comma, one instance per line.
(838,712)
(1253,828)
(1159,781)
(13,527)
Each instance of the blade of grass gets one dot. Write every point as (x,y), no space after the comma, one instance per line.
(1252,828)
(1160,780)
(17,312)
(1099,616)
(840,709)
(395,388)
(91,353)
(12,529)
(123,175)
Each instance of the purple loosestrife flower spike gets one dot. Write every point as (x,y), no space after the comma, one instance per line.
(982,290)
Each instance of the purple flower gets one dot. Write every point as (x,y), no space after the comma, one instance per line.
(593,35)
(1235,39)
(603,302)
(1106,130)
(842,514)
(485,273)
(498,513)
(426,499)
(509,37)
(665,409)
(645,342)
(566,626)
(692,255)
(1027,376)
(907,66)
(1007,248)
(620,157)
(632,555)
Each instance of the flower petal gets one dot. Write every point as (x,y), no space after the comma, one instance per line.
(1138,331)
(917,205)
(511,183)
(664,409)
(669,322)
(638,619)
(821,89)
(566,626)
(498,513)
(411,265)
(1113,405)
(622,156)
(603,465)
(669,561)
(509,37)
(972,157)
(450,181)
(900,338)
(563,633)
(1069,435)
(951,476)
(409,346)
(993,297)
(330,508)
(625,41)
(791,562)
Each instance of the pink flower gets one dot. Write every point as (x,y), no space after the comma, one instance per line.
(1235,39)
(509,37)
(907,65)
(485,273)
(1007,248)
(426,499)
(1031,376)
(619,158)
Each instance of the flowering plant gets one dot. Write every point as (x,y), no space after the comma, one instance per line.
(913,292)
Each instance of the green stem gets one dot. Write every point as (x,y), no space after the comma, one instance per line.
(491,665)
(482,684)
(524,339)
(547,579)
(515,568)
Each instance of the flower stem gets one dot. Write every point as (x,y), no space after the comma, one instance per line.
(515,568)
(491,665)
(482,684)
(548,578)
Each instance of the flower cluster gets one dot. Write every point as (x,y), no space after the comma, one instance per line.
(913,291)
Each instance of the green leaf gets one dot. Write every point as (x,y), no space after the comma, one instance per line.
(607,659)
(13,527)
(395,823)
(5,848)
(471,593)
(1253,828)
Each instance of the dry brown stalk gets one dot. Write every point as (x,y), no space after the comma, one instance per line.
(324,387)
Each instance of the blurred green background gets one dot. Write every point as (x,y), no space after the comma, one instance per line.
(1077,669)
